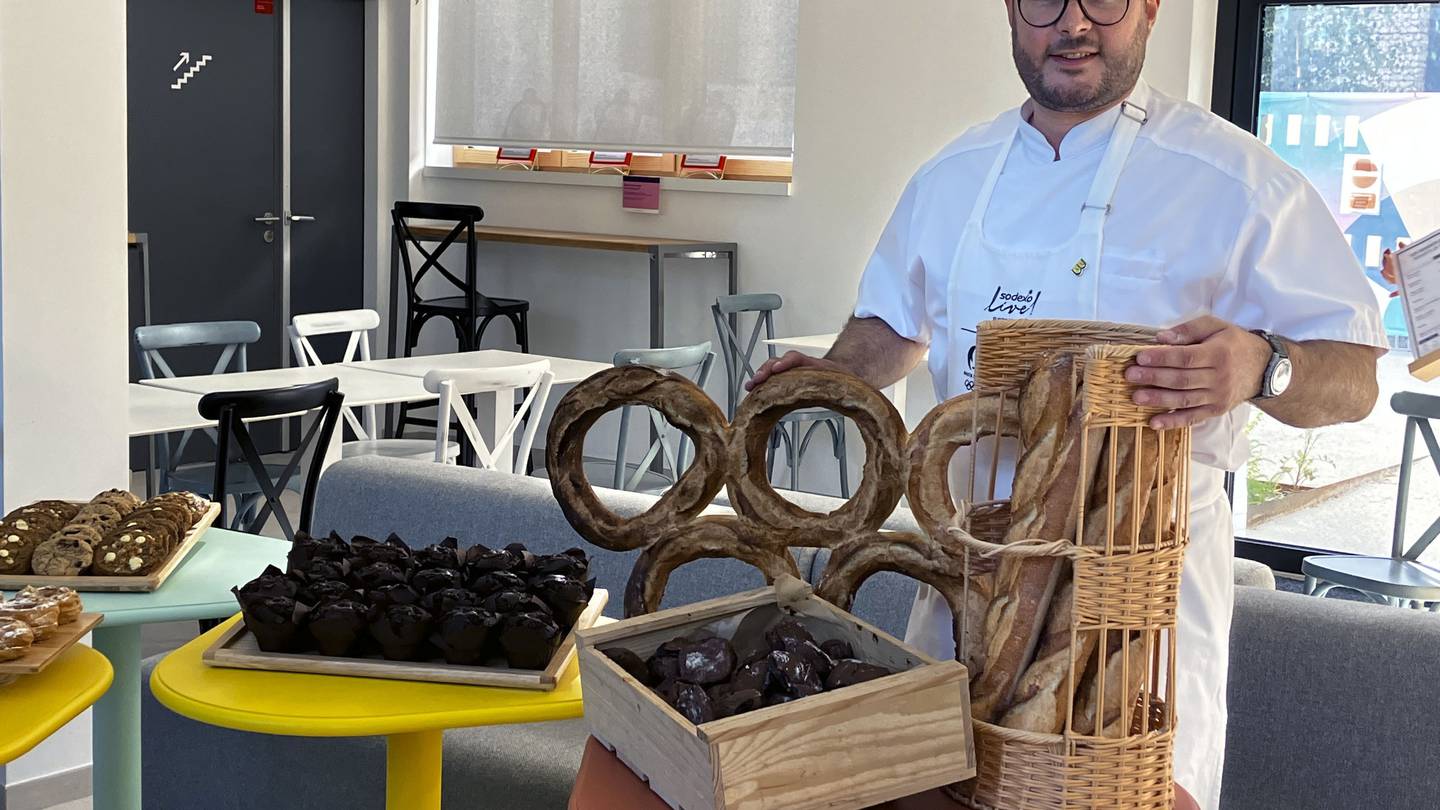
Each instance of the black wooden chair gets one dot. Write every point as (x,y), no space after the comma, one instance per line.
(468,310)
(232,409)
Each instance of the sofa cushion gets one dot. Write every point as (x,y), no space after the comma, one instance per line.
(1332,704)
(425,502)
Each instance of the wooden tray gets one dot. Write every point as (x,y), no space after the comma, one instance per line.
(43,653)
(236,648)
(99,584)
(851,748)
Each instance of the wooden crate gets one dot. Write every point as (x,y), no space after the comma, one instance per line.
(44,653)
(851,748)
(236,649)
(101,584)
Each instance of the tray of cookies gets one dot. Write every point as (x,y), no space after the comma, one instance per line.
(37,625)
(113,543)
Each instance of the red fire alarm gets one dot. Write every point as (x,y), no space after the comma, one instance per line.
(264,6)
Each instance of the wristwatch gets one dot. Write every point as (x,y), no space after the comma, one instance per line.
(1276,378)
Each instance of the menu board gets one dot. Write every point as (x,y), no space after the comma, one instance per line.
(1418,266)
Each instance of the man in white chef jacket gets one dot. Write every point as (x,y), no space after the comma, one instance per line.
(1100,198)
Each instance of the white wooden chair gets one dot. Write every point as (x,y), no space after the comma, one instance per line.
(357,324)
(452,385)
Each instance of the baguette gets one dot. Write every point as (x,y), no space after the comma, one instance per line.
(1043,695)
(1132,495)
(1024,587)
(1124,660)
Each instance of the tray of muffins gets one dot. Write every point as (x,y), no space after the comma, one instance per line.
(113,543)
(441,614)
(37,625)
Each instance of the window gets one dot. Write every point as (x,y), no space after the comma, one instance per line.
(1349,94)
(645,76)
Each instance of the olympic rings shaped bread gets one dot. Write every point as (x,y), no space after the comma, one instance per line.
(881,484)
(766,525)
(707,537)
(680,401)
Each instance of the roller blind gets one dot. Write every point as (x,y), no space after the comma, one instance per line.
(696,76)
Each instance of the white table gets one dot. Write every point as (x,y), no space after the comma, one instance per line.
(161,410)
(489,415)
(566,371)
(359,385)
(170,404)
(818,345)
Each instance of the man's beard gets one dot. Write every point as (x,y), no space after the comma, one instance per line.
(1121,71)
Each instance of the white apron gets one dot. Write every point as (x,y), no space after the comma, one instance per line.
(1063,283)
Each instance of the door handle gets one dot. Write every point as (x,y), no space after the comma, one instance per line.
(300,218)
(268,218)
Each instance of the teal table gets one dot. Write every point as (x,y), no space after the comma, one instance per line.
(198,589)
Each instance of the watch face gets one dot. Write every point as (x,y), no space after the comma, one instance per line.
(1280,378)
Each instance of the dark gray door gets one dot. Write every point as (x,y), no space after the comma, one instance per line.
(327,154)
(204,161)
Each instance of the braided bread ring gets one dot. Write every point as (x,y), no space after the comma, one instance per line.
(681,402)
(706,537)
(881,482)
(921,558)
(958,422)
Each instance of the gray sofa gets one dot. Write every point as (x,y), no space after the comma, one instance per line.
(1332,703)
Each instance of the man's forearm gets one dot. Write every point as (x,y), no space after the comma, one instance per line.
(872,351)
(1333,382)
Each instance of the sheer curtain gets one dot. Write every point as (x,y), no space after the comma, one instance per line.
(697,76)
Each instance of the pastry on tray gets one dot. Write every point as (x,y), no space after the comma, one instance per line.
(368,597)
(68,553)
(101,516)
(66,599)
(42,617)
(16,637)
(131,553)
(17,547)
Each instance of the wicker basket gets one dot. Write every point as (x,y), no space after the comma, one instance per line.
(1126,590)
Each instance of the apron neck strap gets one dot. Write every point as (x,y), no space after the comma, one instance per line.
(1132,118)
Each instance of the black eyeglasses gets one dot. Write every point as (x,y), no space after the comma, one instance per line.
(1045,13)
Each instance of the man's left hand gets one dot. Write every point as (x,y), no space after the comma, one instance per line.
(1205,369)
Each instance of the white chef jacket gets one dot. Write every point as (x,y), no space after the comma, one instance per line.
(1205,220)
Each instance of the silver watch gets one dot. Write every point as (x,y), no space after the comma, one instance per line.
(1276,379)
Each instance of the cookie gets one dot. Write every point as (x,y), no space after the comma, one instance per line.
(121,500)
(43,617)
(63,509)
(17,546)
(197,505)
(130,553)
(15,639)
(177,516)
(159,529)
(65,598)
(40,520)
(102,517)
(64,555)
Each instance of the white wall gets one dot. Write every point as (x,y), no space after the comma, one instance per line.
(62,269)
(881,87)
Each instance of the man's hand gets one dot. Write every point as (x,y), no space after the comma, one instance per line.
(790,360)
(1206,369)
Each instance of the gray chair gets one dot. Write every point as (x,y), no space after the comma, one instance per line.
(646,476)
(1400,579)
(797,427)
(231,338)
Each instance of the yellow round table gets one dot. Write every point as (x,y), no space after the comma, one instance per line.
(412,716)
(35,706)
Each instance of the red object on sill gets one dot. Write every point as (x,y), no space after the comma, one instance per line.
(264,6)
(703,163)
(604,783)
(611,158)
